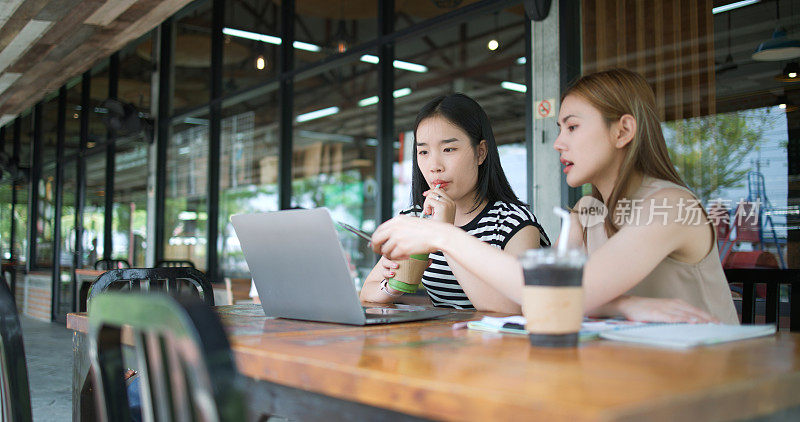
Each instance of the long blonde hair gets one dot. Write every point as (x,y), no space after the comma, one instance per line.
(614,93)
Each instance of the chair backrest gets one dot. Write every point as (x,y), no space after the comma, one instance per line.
(175,263)
(186,365)
(9,271)
(749,278)
(110,264)
(173,280)
(15,398)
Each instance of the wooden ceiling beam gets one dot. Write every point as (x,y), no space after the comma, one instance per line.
(70,46)
(24,13)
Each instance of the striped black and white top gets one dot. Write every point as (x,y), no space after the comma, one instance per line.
(496,225)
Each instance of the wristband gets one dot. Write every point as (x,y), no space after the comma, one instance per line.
(402,287)
(385,289)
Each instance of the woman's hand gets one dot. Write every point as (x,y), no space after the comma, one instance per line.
(402,236)
(388,267)
(647,309)
(439,206)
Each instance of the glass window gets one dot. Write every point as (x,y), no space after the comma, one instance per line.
(326,28)
(94,210)
(20,222)
(19,219)
(129,224)
(46,204)
(409,13)
(250,48)
(186,216)
(25,139)
(69,192)
(334,151)
(5,217)
(5,197)
(47,186)
(67,235)
(72,127)
(727,115)
(98,91)
(248,171)
(192,57)
(136,67)
(458,58)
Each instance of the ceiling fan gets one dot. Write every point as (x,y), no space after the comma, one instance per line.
(124,119)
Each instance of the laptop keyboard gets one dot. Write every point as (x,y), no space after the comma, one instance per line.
(376,310)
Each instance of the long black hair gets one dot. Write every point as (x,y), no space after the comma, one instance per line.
(465,113)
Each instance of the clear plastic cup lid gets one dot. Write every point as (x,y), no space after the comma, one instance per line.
(571,257)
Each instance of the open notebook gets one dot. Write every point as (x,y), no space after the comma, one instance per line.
(590,328)
(681,336)
(684,336)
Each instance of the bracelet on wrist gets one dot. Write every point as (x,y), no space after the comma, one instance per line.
(385,289)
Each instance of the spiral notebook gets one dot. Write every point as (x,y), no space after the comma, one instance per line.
(684,336)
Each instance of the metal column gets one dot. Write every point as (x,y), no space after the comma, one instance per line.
(55,301)
(286,100)
(214,141)
(385,149)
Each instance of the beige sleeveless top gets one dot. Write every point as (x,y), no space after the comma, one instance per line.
(702,285)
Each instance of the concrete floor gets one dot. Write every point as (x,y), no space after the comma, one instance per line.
(48,354)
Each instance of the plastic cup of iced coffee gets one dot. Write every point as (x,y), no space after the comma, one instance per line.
(553,296)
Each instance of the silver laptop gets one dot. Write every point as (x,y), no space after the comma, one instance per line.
(301,271)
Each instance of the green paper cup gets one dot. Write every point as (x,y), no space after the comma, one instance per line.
(408,274)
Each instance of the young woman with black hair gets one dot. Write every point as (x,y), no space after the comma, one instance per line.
(458,181)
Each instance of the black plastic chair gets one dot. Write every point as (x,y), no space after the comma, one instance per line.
(111,264)
(173,280)
(773,278)
(175,263)
(15,400)
(187,368)
(10,268)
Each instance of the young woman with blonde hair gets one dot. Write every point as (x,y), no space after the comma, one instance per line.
(654,256)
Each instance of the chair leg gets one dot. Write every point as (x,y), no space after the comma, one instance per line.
(773,299)
(794,306)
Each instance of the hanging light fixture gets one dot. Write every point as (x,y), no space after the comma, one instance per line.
(728,64)
(779,47)
(493,44)
(261,60)
(341,37)
(791,73)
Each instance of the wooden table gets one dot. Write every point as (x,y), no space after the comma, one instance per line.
(428,369)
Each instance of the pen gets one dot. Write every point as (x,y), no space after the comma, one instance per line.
(364,235)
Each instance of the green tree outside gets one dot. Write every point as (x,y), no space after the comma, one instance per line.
(709,151)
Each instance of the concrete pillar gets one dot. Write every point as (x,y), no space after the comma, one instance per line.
(546,179)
